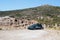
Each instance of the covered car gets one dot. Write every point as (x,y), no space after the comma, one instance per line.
(35,27)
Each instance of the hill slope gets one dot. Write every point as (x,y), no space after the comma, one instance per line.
(40,10)
(33,13)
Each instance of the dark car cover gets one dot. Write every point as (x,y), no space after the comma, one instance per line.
(35,27)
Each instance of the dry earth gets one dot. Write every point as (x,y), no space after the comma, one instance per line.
(29,35)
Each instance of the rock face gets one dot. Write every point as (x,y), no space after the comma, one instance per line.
(15,23)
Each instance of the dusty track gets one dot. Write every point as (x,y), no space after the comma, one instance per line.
(30,35)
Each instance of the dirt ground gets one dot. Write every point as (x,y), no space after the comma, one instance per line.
(29,35)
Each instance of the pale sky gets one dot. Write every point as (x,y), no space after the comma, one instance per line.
(22,4)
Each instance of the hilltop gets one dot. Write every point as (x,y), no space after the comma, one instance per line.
(46,14)
(40,10)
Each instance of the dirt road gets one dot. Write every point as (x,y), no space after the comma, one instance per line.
(29,35)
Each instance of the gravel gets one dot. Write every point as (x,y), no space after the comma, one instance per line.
(29,35)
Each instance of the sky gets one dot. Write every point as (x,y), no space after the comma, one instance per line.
(22,4)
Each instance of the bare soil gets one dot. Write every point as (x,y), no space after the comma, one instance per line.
(29,35)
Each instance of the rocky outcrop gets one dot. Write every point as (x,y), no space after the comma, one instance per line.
(15,23)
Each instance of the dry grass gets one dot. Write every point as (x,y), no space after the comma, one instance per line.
(54,28)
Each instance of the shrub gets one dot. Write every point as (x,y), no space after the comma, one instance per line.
(0,28)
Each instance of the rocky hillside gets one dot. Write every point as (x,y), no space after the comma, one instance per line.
(40,10)
(44,14)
